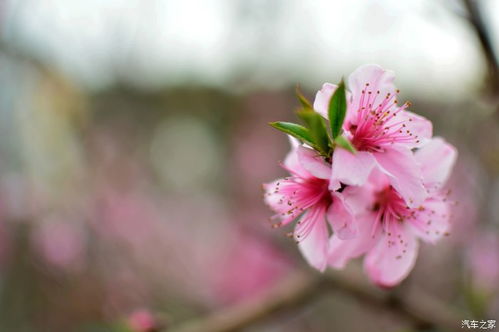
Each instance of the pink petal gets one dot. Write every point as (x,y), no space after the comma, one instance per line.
(322,98)
(378,78)
(431,222)
(387,264)
(341,251)
(404,173)
(352,169)
(273,198)
(292,163)
(436,159)
(378,179)
(314,246)
(313,163)
(341,219)
(293,142)
(420,127)
(360,200)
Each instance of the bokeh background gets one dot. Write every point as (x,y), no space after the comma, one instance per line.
(134,142)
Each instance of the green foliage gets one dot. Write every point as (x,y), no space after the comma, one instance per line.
(315,132)
(303,101)
(317,128)
(341,141)
(295,130)
(337,110)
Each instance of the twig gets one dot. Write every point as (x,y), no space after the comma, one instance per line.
(476,20)
(419,309)
(295,291)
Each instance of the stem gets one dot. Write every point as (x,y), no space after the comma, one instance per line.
(477,22)
(297,290)
(420,310)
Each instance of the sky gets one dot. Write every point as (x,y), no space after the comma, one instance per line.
(251,44)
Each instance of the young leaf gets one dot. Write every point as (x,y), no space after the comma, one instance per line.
(341,141)
(337,110)
(303,101)
(317,129)
(295,130)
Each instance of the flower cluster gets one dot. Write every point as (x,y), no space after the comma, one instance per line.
(366,178)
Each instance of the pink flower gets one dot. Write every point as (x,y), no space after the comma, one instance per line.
(382,132)
(381,196)
(142,321)
(388,228)
(304,196)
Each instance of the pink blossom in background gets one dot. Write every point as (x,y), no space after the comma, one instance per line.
(388,228)
(305,194)
(182,247)
(130,215)
(60,241)
(202,251)
(382,132)
(467,183)
(483,261)
(248,266)
(123,273)
(214,260)
(142,321)
(253,144)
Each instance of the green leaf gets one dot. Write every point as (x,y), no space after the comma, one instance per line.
(341,141)
(303,101)
(294,130)
(337,110)
(317,128)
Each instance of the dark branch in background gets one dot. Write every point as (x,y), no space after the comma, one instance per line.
(298,290)
(476,20)
(420,310)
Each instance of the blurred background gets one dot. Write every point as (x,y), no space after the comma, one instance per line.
(134,142)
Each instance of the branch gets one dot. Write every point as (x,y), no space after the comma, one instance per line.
(476,20)
(298,290)
(421,310)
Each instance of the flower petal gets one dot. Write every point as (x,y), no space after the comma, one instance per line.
(431,222)
(360,200)
(293,142)
(437,159)
(404,173)
(341,251)
(272,197)
(277,197)
(350,168)
(322,98)
(378,79)
(314,246)
(389,262)
(420,127)
(313,163)
(341,219)
(292,163)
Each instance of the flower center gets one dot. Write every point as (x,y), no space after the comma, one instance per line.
(299,194)
(390,210)
(377,125)
(308,192)
(391,213)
